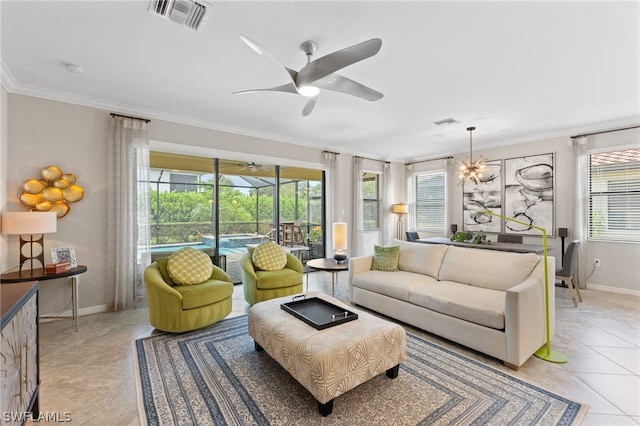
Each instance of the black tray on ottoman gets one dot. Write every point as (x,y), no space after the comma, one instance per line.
(318,313)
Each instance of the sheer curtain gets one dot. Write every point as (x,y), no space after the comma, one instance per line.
(357,225)
(386,204)
(580,180)
(128,216)
(411,197)
(330,161)
(449,176)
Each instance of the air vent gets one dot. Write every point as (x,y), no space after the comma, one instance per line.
(189,13)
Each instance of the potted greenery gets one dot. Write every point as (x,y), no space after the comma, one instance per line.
(314,239)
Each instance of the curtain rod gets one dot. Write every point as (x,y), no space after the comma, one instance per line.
(146,120)
(372,159)
(431,159)
(605,131)
(330,152)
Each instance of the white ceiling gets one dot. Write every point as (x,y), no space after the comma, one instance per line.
(518,71)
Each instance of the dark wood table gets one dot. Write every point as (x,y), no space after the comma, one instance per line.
(510,247)
(39,274)
(328,265)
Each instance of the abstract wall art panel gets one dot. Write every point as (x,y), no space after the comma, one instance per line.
(529,193)
(487,195)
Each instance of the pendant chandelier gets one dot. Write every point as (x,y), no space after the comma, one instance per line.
(470,170)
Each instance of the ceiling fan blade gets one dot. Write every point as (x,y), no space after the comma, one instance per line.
(288,88)
(309,106)
(341,84)
(322,67)
(263,52)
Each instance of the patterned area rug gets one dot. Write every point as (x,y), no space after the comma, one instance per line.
(214,376)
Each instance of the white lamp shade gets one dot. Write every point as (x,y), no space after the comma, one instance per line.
(340,235)
(399,208)
(24,223)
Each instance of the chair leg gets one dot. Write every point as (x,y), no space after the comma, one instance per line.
(576,285)
(572,291)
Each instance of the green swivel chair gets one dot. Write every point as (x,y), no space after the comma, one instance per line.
(262,285)
(179,308)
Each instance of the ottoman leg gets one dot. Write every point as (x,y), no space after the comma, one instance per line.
(326,408)
(393,372)
(257,346)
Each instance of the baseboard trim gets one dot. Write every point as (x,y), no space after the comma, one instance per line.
(81,312)
(613,289)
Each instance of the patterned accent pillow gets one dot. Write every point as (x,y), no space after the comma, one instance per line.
(189,266)
(269,256)
(386,258)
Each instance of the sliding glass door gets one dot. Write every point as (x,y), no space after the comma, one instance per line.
(223,206)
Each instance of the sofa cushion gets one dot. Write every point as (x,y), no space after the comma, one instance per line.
(206,293)
(268,280)
(491,269)
(421,258)
(269,256)
(385,258)
(189,266)
(474,304)
(393,284)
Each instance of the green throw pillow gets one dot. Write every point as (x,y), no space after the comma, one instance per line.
(386,258)
(189,266)
(269,256)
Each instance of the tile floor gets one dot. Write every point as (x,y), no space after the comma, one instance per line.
(90,373)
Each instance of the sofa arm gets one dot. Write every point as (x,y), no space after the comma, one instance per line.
(358,265)
(525,315)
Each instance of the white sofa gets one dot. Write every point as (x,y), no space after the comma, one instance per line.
(488,300)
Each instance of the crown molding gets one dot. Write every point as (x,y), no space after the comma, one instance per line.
(10,84)
(6,78)
(21,89)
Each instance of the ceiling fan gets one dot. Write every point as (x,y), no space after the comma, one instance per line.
(321,73)
(253,167)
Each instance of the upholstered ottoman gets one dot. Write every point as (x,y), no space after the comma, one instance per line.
(332,361)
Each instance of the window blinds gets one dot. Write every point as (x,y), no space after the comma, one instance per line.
(614,196)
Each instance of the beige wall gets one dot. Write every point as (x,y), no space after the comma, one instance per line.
(4,135)
(38,132)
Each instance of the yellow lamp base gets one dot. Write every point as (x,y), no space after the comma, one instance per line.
(551,355)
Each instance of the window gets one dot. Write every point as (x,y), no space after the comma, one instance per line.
(614,196)
(430,201)
(371,201)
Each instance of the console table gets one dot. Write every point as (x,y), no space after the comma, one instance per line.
(510,247)
(39,274)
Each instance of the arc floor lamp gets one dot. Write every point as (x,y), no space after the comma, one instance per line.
(545,352)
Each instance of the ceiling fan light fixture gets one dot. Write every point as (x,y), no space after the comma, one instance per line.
(309,91)
(470,170)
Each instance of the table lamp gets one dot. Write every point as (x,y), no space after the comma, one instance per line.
(399,209)
(32,224)
(339,241)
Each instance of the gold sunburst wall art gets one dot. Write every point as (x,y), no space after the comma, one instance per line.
(53,192)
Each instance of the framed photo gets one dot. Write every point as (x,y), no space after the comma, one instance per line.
(486,195)
(529,194)
(64,254)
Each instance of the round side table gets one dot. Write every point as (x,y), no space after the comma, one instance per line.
(327,265)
